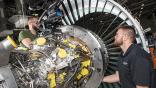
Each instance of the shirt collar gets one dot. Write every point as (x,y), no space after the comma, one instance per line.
(128,50)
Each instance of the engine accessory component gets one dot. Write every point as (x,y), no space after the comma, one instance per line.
(83,73)
(40,41)
(62,53)
(8,44)
(52,78)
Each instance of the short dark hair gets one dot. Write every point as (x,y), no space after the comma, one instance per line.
(130,30)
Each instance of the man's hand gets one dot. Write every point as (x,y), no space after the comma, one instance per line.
(112,78)
(27,42)
(141,86)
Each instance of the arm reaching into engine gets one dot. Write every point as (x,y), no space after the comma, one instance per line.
(112,78)
(26,37)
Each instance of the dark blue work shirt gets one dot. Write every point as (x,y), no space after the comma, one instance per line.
(135,67)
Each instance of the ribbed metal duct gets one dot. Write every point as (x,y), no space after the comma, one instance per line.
(76,12)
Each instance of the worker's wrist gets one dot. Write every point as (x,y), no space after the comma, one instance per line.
(103,80)
(31,28)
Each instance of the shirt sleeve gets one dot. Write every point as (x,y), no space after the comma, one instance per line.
(142,71)
(22,35)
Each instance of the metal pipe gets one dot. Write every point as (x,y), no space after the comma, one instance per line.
(7,44)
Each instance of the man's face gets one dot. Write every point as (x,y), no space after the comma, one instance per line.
(119,38)
(33,23)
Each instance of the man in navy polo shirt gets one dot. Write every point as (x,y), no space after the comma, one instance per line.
(134,66)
